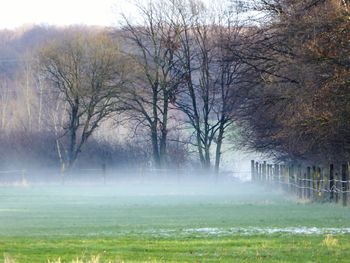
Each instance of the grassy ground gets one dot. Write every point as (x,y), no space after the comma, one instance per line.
(144,223)
(274,248)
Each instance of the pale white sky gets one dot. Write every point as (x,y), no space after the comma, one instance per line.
(15,13)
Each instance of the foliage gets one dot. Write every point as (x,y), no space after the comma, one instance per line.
(85,70)
(330,241)
(298,105)
(282,78)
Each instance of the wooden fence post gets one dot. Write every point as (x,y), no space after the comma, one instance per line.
(280,176)
(308,175)
(264,171)
(331,183)
(304,185)
(319,182)
(275,174)
(313,183)
(344,183)
(252,162)
(300,183)
(271,173)
(337,187)
(290,179)
(347,186)
(285,178)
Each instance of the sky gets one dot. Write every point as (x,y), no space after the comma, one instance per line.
(16,13)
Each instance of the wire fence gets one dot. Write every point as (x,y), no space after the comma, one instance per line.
(316,183)
(111,175)
(16,177)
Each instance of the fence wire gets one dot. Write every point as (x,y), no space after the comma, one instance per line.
(296,182)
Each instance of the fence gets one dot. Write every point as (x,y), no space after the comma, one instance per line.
(316,183)
(13,177)
(25,177)
(107,175)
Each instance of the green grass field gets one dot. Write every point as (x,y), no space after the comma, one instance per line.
(170,223)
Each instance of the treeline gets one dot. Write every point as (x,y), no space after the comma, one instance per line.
(167,88)
(34,117)
(299,107)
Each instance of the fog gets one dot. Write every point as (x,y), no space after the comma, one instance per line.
(122,177)
(156,203)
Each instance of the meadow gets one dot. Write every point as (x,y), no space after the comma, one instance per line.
(169,222)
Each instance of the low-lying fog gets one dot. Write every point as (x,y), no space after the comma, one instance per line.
(157,204)
(130,181)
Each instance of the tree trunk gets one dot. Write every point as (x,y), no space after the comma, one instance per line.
(73,126)
(218,149)
(164,133)
(71,149)
(40,104)
(155,148)
(207,162)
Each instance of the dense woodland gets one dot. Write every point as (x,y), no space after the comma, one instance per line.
(171,88)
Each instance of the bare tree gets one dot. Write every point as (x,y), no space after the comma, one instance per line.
(5,98)
(153,44)
(298,108)
(86,71)
(207,94)
(228,74)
